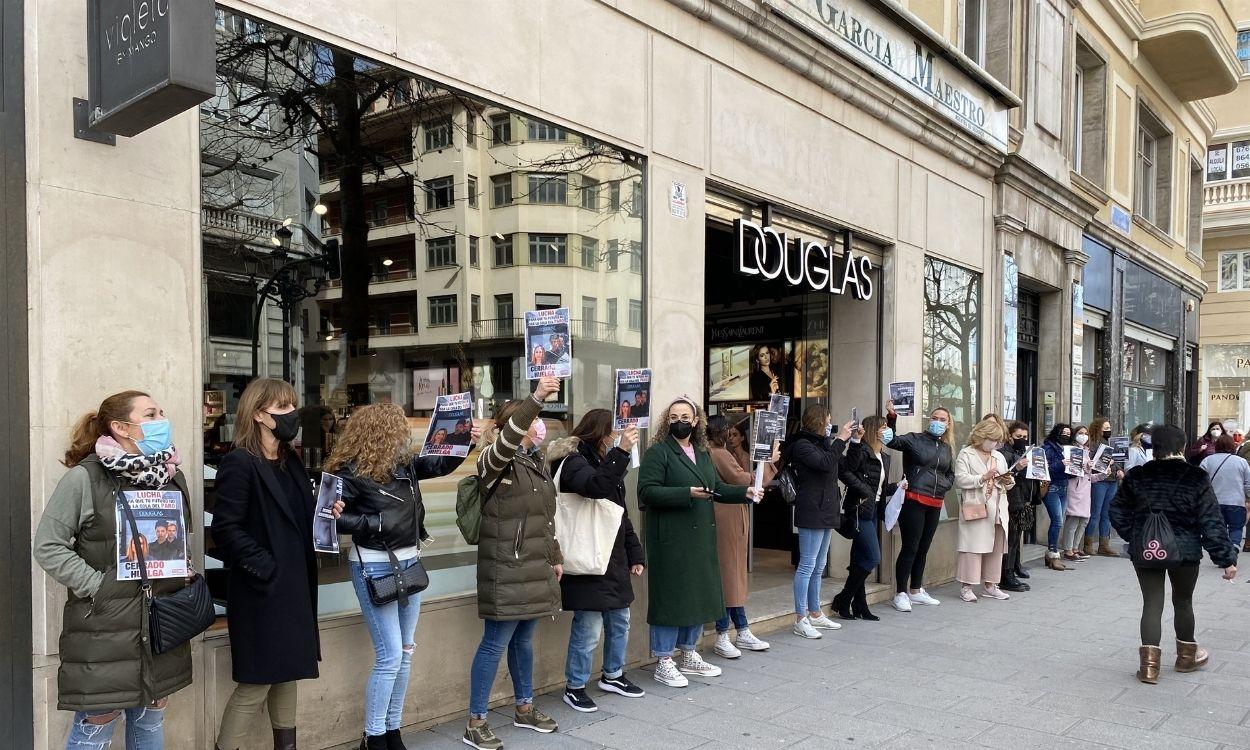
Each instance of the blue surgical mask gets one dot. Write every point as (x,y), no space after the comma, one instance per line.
(156,436)
(828,430)
(936,428)
(887,436)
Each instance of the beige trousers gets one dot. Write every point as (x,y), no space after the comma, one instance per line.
(982,567)
(244,706)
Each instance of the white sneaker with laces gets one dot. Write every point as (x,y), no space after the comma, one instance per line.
(748,642)
(689,662)
(922,597)
(823,622)
(724,648)
(995,592)
(666,673)
(804,629)
(901,602)
(966,594)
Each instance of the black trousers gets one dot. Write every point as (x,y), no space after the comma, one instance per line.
(917,523)
(1015,537)
(1184,579)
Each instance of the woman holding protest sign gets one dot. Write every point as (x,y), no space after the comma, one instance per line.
(1056,494)
(865,471)
(384,514)
(677,485)
(107,669)
(1103,493)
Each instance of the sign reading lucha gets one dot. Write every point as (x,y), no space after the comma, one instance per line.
(765,252)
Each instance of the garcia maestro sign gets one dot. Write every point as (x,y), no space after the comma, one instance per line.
(763,251)
(148,60)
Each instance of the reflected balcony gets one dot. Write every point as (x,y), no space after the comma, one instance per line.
(1226,207)
(1192,45)
(238,225)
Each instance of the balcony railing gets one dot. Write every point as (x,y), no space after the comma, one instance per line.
(514,328)
(1224,193)
(238,223)
(381,277)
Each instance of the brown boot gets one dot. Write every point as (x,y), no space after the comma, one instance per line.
(284,739)
(1150,656)
(1088,549)
(1104,547)
(1053,562)
(1190,658)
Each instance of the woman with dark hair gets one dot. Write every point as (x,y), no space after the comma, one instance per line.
(587,463)
(1230,479)
(865,471)
(1103,493)
(929,468)
(1205,445)
(733,526)
(1057,493)
(768,372)
(1021,500)
(1183,494)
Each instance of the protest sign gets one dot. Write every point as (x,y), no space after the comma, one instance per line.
(780,404)
(632,399)
(767,427)
(1103,462)
(162,539)
(325,527)
(548,344)
(450,430)
(1119,448)
(903,394)
(1038,469)
(1074,456)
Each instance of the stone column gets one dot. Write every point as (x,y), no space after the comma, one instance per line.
(1074,260)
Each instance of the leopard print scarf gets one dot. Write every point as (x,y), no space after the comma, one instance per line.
(150,472)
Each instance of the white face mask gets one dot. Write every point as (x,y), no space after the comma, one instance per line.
(1215,434)
(989,446)
(1082,439)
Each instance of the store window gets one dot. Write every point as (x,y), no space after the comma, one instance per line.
(1153,192)
(1235,271)
(972,36)
(1145,383)
(1243,49)
(1091,373)
(951,349)
(403,341)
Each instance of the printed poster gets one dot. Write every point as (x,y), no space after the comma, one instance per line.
(780,404)
(1038,469)
(548,344)
(1075,456)
(903,394)
(1011,301)
(451,427)
(1119,448)
(325,528)
(1103,461)
(633,399)
(766,428)
(162,539)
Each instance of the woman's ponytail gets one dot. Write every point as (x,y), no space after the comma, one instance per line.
(93,425)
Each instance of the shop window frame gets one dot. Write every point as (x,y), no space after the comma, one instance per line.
(1241,270)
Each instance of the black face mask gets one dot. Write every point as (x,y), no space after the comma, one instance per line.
(286,426)
(1106,434)
(680,430)
(1020,445)
(1065,440)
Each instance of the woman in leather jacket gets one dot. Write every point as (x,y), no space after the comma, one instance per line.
(865,471)
(386,518)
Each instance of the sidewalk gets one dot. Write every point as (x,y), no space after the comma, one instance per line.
(1052,668)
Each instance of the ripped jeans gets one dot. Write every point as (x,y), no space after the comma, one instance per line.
(145,728)
(392,628)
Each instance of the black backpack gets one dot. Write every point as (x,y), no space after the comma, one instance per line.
(1155,545)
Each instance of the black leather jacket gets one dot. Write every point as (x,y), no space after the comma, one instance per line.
(378,515)
(928,463)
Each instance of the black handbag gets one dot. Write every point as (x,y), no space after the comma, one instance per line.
(173,619)
(788,483)
(399,584)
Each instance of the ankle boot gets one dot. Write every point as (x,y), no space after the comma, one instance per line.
(1149,656)
(1021,572)
(1104,547)
(859,605)
(1189,657)
(1088,549)
(376,741)
(1053,562)
(284,739)
(395,740)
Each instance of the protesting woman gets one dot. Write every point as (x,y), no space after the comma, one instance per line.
(817,508)
(262,525)
(865,471)
(733,526)
(1139,451)
(983,476)
(1230,479)
(1205,445)
(588,465)
(1057,494)
(677,485)
(107,669)
(1021,499)
(928,467)
(385,515)
(1182,494)
(1076,507)
(1103,492)
(519,564)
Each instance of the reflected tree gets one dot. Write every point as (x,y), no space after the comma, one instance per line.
(952,323)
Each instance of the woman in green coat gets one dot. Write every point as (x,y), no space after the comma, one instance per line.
(677,484)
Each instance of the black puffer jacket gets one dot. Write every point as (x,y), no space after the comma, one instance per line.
(390,512)
(861,470)
(1183,493)
(928,464)
(816,460)
(584,472)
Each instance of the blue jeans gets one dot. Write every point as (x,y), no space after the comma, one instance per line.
(865,547)
(739,617)
(585,637)
(145,730)
(1054,508)
(665,639)
(1101,496)
(813,554)
(1235,520)
(515,636)
(392,627)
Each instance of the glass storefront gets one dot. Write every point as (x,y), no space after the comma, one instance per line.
(951,349)
(377,238)
(1091,374)
(1145,383)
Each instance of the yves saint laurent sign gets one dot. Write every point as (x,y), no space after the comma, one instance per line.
(765,252)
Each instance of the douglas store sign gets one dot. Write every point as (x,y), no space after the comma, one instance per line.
(763,251)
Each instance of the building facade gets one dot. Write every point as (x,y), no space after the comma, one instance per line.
(849,193)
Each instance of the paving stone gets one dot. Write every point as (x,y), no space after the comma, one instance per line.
(1132,738)
(1214,731)
(1117,713)
(731,729)
(626,732)
(949,724)
(1017,738)
(837,730)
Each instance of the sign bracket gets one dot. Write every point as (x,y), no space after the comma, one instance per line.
(82,125)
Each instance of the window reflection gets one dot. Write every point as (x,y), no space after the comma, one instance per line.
(952,326)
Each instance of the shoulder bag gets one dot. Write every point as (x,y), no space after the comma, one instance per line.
(399,584)
(788,483)
(586,529)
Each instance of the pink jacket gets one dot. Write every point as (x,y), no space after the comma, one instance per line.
(1079,489)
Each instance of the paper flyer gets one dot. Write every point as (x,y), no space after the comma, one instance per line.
(766,427)
(548,345)
(632,399)
(1119,448)
(325,528)
(903,394)
(780,404)
(1074,455)
(451,426)
(1103,460)
(1038,468)
(162,537)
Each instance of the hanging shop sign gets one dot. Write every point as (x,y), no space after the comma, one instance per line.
(768,253)
(1011,309)
(1078,351)
(883,47)
(148,60)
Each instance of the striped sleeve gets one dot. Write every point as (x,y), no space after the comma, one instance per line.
(494,458)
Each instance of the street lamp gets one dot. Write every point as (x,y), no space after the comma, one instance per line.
(288,286)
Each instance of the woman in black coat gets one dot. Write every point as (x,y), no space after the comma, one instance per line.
(1183,494)
(262,524)
(589,465)
(865,471)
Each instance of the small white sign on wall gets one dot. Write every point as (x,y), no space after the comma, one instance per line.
(678,202)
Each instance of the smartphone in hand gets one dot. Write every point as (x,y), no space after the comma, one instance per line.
(855,415)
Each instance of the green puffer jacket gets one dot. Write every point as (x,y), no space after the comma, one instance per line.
(517,547)
(106,660)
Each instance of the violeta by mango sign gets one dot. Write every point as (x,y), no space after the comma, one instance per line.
(874,41)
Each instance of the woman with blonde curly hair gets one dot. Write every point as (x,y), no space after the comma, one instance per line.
(386,518)
(982,474)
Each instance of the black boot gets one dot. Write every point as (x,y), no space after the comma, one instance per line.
(374,741)
(394,740)
(859,605)
(1011,583)
(284,739)
(841,604)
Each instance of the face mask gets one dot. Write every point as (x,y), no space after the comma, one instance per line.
(1145,441)
(1215,434)
(1082,439)
(285,426)
(1065,439)
(540,433)
(680,430)
(989,446)
(887,436)
(156,436)
(1020,445)
(936,428)
(1106,434)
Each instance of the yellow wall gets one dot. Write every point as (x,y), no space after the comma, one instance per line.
(1224,314)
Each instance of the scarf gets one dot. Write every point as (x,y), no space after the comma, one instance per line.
(150,472)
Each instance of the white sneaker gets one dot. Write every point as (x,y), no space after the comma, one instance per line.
(748,642)
(724,648)
(804,628)
(901,602)
(922,597)
(666,673)
(823,622)
(966,594)
(691,663)
(995,592)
